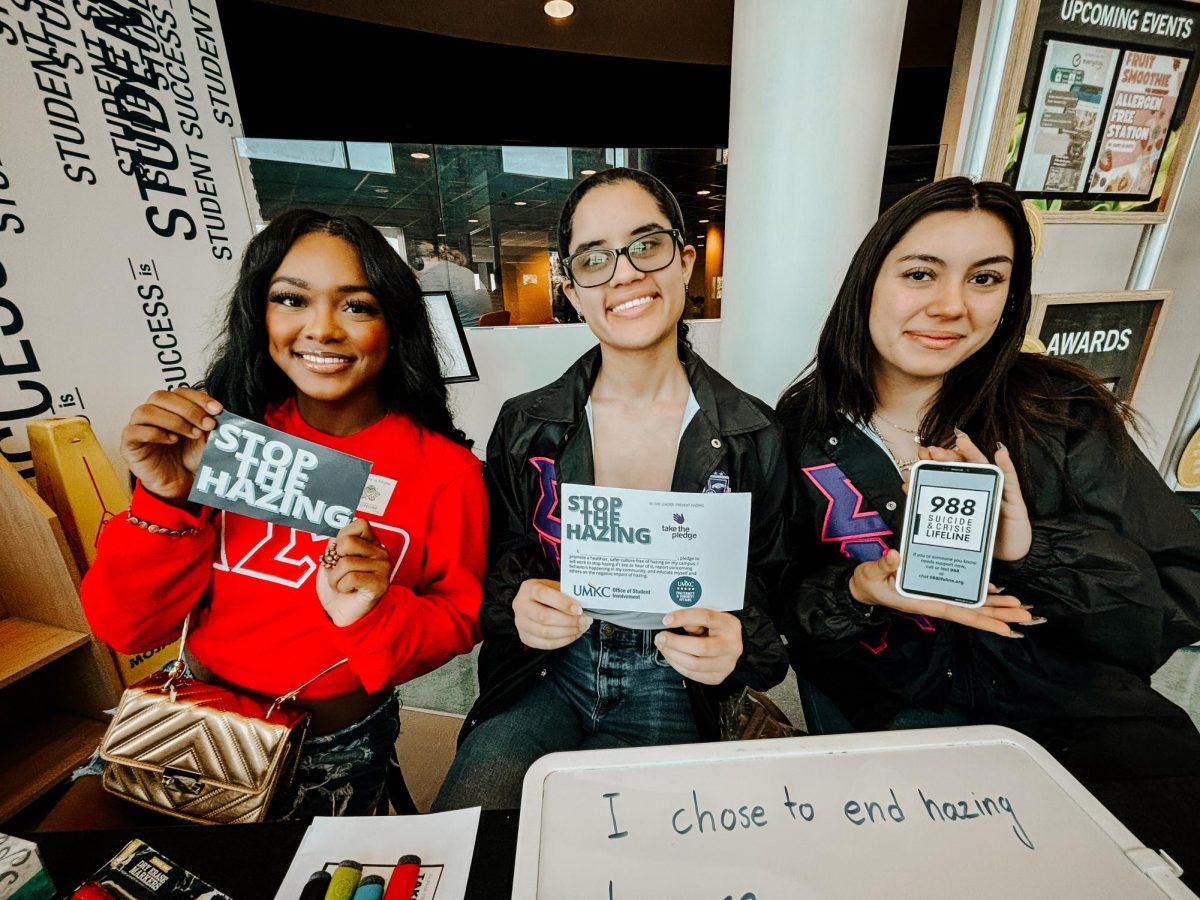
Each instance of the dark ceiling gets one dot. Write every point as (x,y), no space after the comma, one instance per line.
(300,74)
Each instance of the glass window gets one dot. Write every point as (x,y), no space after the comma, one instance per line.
(480,221)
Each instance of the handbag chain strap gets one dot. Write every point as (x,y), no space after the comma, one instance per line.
(178,667)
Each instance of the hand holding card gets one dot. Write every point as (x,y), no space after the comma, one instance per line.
(165,437)
(354,575)
(1014,534)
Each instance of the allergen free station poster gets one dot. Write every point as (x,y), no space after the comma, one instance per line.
(653,551)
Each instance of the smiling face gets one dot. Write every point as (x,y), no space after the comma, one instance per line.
(939,295)
(327,333)
(634,310)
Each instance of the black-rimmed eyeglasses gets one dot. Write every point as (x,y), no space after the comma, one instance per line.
(647,253)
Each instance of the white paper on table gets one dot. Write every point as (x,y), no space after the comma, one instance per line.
(653,551)
(444,841)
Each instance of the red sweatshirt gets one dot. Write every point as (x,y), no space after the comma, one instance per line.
(264,628)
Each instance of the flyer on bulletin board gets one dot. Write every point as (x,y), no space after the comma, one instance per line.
(653,551)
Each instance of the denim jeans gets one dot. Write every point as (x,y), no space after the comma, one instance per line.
(342,773)
(611,688)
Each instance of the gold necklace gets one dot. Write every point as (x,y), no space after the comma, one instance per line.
(900,464)
(913,431)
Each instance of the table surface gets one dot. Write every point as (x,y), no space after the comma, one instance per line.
(248,862)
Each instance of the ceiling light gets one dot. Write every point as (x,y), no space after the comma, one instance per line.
(441,234)
(703,221)
(559,9)
(703,193)
(519,203)
(472,221)
(420,154)
(587,171)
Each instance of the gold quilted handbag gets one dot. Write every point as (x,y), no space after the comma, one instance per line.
(200,751)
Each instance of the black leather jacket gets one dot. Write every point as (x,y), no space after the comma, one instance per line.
(1114,567)
(541,439)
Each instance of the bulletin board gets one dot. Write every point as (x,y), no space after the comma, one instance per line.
(1099,107)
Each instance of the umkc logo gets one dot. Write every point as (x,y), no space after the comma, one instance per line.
(590,590)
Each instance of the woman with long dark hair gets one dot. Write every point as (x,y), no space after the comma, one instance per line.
(643,411)
(921,358)
(326,338)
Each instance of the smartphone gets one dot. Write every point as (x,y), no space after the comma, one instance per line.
(950,520)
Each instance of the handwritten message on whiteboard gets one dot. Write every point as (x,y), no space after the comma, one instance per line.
(942,813)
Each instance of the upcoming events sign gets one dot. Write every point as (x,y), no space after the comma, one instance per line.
(1101,111)
(121,211)
(653,551)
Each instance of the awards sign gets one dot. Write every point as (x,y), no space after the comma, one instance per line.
(653,551)
(268,474)
(1111,335)
(121,212)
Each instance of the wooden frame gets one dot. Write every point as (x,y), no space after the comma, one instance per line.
(1023,53)
(451,338)
(1044,302)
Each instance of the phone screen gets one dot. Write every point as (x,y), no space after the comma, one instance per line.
(949,531)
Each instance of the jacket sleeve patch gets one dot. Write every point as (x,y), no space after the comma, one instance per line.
(546,521)
(859,533)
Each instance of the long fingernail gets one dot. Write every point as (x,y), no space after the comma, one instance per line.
(958,432)
(1036,620)
(1000,446)
(1014,634)
(1026,606)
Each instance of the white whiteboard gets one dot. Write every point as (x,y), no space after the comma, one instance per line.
(940,814)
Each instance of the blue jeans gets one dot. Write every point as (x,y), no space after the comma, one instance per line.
(342,773)
(611,688)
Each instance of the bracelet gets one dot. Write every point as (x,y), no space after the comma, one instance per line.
(159,529)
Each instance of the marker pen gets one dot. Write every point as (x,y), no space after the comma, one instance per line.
(404,878)
(344,881)
(91,891)
(318,883)
(370,888)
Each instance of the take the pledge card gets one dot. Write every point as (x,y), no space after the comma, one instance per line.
(267,474)
(653,551)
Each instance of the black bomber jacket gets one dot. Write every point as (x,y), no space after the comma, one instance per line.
(1114,568)
(541,439)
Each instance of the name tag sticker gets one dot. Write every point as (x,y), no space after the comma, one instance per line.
(376,495)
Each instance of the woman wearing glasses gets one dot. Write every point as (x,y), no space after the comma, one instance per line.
(643,411)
